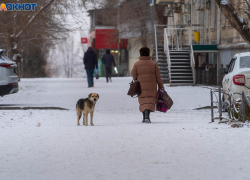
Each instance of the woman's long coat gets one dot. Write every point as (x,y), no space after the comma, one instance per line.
(147,73)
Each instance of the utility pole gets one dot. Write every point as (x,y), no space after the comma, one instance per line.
(118,38)
(152,21)
(22,59)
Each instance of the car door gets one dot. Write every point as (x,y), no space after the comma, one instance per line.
(228,77)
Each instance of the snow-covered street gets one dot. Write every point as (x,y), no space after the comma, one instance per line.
(178,145)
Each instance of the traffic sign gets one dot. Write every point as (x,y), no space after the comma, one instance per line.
(151,2)
(84,40)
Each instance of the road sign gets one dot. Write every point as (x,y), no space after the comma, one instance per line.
(84,40)
(151,2)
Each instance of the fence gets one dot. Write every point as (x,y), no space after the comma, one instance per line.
(235,113)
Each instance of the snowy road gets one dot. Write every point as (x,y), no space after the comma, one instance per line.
(178,145)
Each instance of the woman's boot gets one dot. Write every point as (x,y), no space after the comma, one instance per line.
(143,116)
(147,118)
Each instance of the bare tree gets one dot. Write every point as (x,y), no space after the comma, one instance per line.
(16,28)
(66,59)
(22,31)
(234,13)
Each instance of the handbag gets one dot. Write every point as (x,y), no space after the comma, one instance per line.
(135,89)
(97,74)
(167,99)
(160,104)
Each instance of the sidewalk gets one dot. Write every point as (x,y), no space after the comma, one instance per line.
(180,144)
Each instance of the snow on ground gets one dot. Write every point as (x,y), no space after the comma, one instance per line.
(178,145)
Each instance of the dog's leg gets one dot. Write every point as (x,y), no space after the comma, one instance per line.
(91,118)
(86,118)
(83,119)
(79,114)
(78,120)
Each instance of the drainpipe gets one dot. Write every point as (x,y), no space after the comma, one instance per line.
(152,24)
(218,25)
(218,40)
(191,26)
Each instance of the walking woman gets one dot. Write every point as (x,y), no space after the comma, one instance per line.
(147,73)
(109,60)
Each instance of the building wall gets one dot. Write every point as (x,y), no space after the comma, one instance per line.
(217,29)
(227,51)
(134,46)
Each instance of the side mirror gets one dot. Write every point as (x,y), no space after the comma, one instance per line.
(223,71)
(1,51)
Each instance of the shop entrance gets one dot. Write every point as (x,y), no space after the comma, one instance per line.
(121,64)
(206,66)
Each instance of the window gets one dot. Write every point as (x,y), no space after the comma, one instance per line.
(245,62)
(3,57)
(231,65)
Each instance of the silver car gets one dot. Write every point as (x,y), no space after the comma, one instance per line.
(8,76)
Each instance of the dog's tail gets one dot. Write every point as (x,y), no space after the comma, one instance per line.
(78,111)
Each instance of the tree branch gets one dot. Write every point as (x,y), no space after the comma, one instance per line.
(248,5)
(234,19)
(34,17)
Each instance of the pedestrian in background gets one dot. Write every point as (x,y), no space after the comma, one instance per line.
(90,62)
(147,73)
(108,60)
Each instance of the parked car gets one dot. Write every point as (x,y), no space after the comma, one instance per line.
(8,77)
(237,78)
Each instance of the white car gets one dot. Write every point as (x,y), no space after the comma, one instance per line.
(8,77)
(237,78)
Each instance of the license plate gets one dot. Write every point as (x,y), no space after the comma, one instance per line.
(14,70)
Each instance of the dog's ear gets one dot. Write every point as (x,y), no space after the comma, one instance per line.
(89,95)
(98,95)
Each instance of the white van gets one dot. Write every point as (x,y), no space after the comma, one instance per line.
(8,77)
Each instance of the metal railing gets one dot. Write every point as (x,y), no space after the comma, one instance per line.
(218,103)
(175,32)
(228,104)
(178,45)
(192,62)
(166,51)
(156,45)
(155,33)
(243,107)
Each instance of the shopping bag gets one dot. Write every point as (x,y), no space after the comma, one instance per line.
(160,104)
(97,74)
(134,89)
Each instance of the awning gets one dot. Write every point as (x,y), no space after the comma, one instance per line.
(205,48)
(164,1)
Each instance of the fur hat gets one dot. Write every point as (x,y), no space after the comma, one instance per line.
(145,51)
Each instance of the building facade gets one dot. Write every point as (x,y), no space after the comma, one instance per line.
(200,24)
(104,35)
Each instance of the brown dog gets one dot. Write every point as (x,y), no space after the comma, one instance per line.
(86,106)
